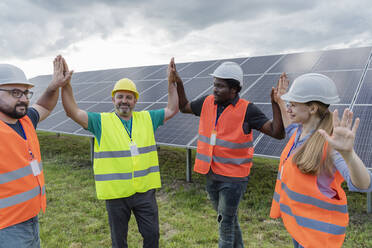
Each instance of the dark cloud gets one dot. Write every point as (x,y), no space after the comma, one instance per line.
(43,27)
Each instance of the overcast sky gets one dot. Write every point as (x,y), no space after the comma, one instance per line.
(95,34)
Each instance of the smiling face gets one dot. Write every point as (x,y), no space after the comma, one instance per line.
(222,92)
(300,112)
(13,107)
(124,102)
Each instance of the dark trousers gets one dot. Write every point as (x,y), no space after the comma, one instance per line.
(225,197)
(144,208)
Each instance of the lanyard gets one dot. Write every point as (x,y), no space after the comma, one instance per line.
(215,123)
(23,131)
(24,135)
(133,147)
(129,132)
(289,153)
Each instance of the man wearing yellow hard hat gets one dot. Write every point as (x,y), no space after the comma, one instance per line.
(126,167)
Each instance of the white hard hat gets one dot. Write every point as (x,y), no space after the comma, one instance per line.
(312,87)
(229,70)
(10,74)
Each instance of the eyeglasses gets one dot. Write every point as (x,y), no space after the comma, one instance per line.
(18,93)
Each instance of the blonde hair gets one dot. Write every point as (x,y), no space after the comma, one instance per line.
(309,158)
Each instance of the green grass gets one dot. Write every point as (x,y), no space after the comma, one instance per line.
(75,218)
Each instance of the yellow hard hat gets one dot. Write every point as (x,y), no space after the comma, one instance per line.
(125,84)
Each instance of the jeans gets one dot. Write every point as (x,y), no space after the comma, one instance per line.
(225,197)
(22,235)
(296,244)
(144,208)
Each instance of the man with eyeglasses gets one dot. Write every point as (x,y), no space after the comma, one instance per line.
(22,189)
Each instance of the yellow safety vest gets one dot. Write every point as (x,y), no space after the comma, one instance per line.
(117,172)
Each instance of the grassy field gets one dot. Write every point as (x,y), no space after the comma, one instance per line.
(75,218)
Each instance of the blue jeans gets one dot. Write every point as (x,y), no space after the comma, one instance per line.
(21,235)
(296,244)
(225,198)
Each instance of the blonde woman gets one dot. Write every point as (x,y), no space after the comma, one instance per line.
(318,157)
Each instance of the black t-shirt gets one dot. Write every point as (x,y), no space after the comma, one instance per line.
(254,119)
(34,117)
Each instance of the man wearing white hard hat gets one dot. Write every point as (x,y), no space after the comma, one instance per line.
(22,189)
(126,167)
(318,157)
(225,144)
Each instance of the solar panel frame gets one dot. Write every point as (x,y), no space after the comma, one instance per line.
(92,89)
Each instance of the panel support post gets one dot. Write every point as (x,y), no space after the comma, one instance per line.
(92,150)
(188,165)
(369,202)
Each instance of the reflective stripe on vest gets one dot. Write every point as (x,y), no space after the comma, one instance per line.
(125,176)
(19,173)
(234,161)
(22,195)
(118,174)
(314,224)
(313,201)
(123,154)
(227,144)
(231,155)
(311,218)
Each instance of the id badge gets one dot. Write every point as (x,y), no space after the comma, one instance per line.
(213,138)
(35,168)
(133,149)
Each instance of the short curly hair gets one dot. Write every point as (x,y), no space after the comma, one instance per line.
(233,84)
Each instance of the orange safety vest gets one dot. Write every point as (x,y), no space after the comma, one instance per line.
(22,194)
(232,152)
(310,217)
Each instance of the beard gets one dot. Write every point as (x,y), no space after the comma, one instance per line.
(12,112)
(123,112)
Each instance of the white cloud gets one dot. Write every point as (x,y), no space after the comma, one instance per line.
(101,34)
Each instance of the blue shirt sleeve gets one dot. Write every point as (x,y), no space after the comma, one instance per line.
(94,125)
(157,117)
(341,166)
(289,131)
(34,116)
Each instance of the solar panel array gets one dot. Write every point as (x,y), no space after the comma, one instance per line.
(349,68)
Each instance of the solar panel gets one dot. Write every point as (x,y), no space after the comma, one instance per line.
(197,86)
(365,96)
(343,59)
(258,65)
(211,68)
(100,94)
(363,140)
(299,63)
(116,74)
(154,93)
(162,74)
(195,68)
(57,116)
(260,92)
(346,82)
(92,89)
(147,71)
